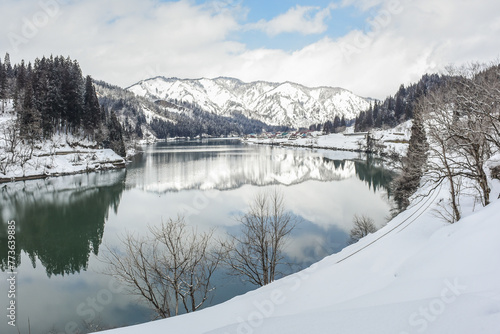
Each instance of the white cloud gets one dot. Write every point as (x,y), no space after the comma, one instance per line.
(305,20)
(404,40)
(125,41)
(364,5)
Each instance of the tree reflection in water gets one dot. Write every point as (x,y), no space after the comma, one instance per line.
(59,221)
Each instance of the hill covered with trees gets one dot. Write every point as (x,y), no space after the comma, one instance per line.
(52,96)
(398,108)
(169,118)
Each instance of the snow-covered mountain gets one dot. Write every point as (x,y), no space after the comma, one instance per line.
(286,103)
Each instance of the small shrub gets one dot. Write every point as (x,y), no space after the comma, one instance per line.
(362,227)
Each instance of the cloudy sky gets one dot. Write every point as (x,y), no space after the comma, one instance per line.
(367,46)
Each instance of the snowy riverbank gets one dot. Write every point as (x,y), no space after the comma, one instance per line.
(389,142)
(61,155)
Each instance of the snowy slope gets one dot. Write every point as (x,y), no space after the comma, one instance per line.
(415,275)
(273,103)
(63,154)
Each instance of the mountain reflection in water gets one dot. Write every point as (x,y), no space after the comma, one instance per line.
(175,167)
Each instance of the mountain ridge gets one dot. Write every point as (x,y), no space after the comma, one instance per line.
(242,81)
(285,104)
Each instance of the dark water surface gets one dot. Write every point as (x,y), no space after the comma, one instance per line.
(62,223)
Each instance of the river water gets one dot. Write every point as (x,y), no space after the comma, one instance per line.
(63,224)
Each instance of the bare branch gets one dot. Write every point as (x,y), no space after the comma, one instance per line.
(257,253)
(170,269)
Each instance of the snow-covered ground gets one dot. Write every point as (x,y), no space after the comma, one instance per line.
(391,141)
(62,155)
(417,274)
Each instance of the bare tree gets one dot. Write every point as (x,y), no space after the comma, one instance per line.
(171,269)
(11,138)
(442,163)
(15,151)
(363,226)
(463,122)
(31,133)
(476,130)
(478,93)
(257,253)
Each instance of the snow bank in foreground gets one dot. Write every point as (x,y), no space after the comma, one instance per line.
(417,274)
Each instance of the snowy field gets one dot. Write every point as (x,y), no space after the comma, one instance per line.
(62,155)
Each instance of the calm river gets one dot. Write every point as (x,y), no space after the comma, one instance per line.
(63,224)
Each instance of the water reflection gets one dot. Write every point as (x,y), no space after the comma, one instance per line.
(62,222)
(59,221)
(226,165)
(372,171)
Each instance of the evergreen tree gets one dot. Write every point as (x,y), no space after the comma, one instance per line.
(360,121)
(343,122)
(138,130)
(400,103)
(19,88)
(8,66)
(336,123)
(397,109)
(376,113)
(115,138)
(19,85)
(3,86)
(41,85)
(73,91)
(328,127)
(408,111)
(413,164)
(92,109)
(368,121)
(28,115)
(52,95)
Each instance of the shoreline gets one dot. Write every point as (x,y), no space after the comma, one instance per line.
(115,165)
(393,155)
(385,143)
(317,147)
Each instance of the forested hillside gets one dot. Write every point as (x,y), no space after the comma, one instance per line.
(385,114)
(398,108)
(52,96)
(281,104)
(142,117)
